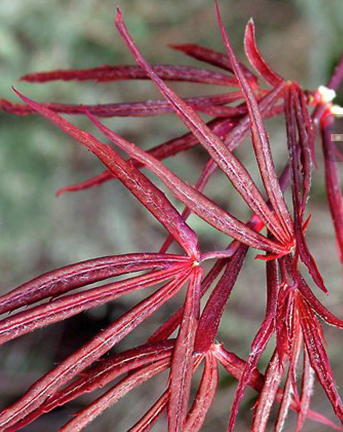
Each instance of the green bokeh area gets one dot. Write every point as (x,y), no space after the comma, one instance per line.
(302,39)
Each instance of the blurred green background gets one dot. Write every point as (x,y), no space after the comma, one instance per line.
(302,39)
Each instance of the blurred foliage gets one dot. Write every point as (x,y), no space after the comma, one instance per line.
(301,38)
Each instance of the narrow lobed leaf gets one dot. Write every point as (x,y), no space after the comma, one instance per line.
(290,384)
(196,201)
(260,341)
(235,366)
(318,356)
(268,394)
(301,246)
(206,104)
(70,277)
(316,305)
(172,147)
(162,151)
(132,72)
(88,353)
(70,305)
(230,165)
(181,369)
(260,140)
(88,414)
(214,308)
(212,57)
(174,321)
(146,192)
(333,184)
(204,396)
(306,391)
(306,140)
(255,58)
(105,371)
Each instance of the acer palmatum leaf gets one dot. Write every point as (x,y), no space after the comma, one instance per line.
(70,305)
(268,107)
(290,384)
(205,394)
(151,416)
(292,139)
(306,391)
(213,58)
(235,367)
(229,164)
(181,369)
(100,374)
(332,182)
(167,149)
(206,104)
(316,305)
(291,305)
(214,308)
(89,353)
(306,141)
(196,201)
(146,192)
(233,131)
(260,140)
(260,341)
(169,326)
(318,357)
(125,72)
(268,394)
(112,396)
(70,277)
(256,60)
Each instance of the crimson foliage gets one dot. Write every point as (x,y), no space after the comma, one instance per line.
(292,313)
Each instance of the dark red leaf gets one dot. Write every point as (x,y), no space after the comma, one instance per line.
(181,369)
(260,141)
(306,391)
(234,136)
(235,366)
(213,311)
(197,202)
(162,151)
(212,57)
(105,371)
(316,305)
(268,394)
(77,275)
(174,321)
(318,356)
(333,183)
(290,385)
(255,58)
(220,127)
(230,165)
(260,341)
(88,354)
(205,395)
(147,193)
(82,418)
(301,246)
(206,104)
(133,72)
(307,138)
(70,305)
